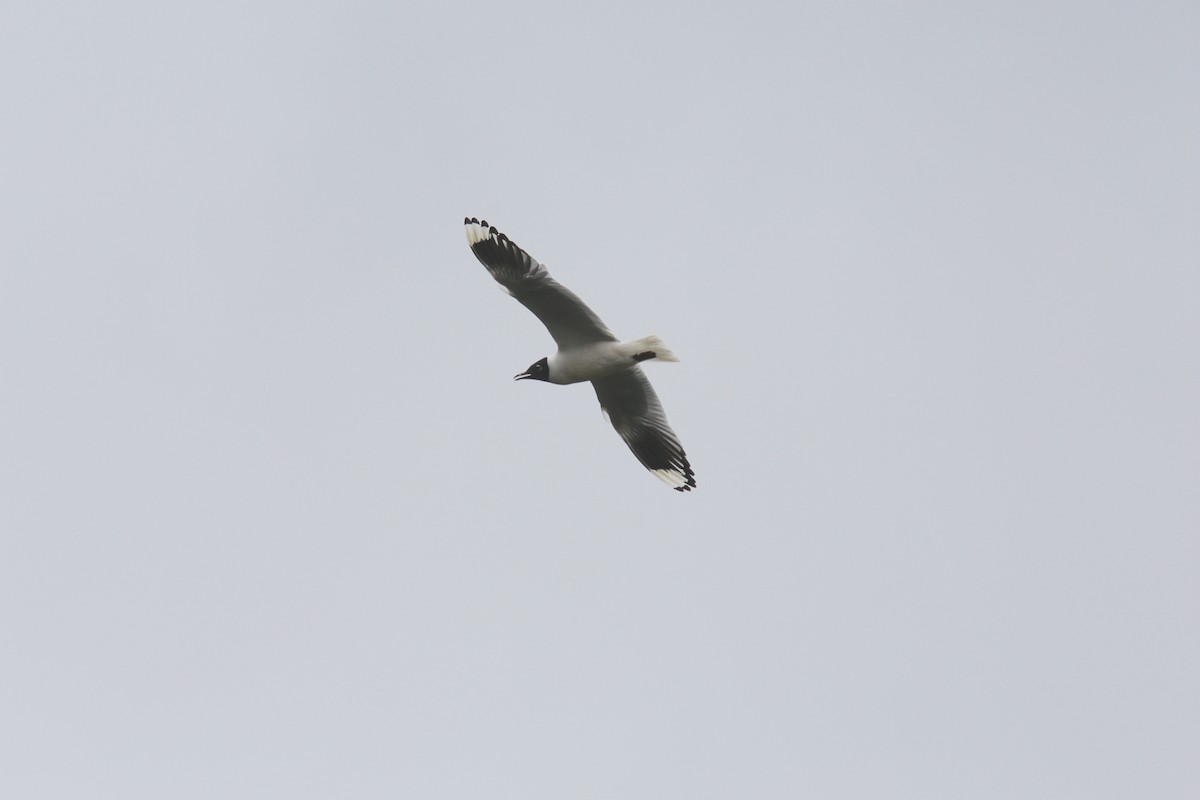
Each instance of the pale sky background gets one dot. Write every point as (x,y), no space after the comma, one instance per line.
(276,522)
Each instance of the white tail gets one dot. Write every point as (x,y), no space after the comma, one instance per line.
(650,347)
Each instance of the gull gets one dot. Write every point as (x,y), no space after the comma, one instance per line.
(588,351)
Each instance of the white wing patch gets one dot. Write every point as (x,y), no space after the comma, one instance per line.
(674,478)
(477,233)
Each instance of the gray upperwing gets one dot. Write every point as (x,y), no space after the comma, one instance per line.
(634,410)
(568,318)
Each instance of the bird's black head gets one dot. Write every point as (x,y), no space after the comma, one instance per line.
(540,371)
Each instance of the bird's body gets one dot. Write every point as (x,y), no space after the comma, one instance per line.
(600,359)
(588,351)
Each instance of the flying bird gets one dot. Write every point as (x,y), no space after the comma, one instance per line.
(588,351)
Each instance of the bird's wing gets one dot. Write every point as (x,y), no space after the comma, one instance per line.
(569,321)
(633,409)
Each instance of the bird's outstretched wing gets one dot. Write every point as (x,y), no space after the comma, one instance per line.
(568,319)
(633,409)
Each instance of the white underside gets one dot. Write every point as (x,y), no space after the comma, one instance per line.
(603,358)
(588,362)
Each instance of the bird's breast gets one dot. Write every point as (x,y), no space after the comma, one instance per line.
(587,363)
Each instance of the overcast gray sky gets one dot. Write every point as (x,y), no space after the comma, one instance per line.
(276,522)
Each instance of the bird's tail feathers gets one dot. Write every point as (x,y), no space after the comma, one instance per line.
(650,347)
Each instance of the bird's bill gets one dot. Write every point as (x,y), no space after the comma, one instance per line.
(522,376)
